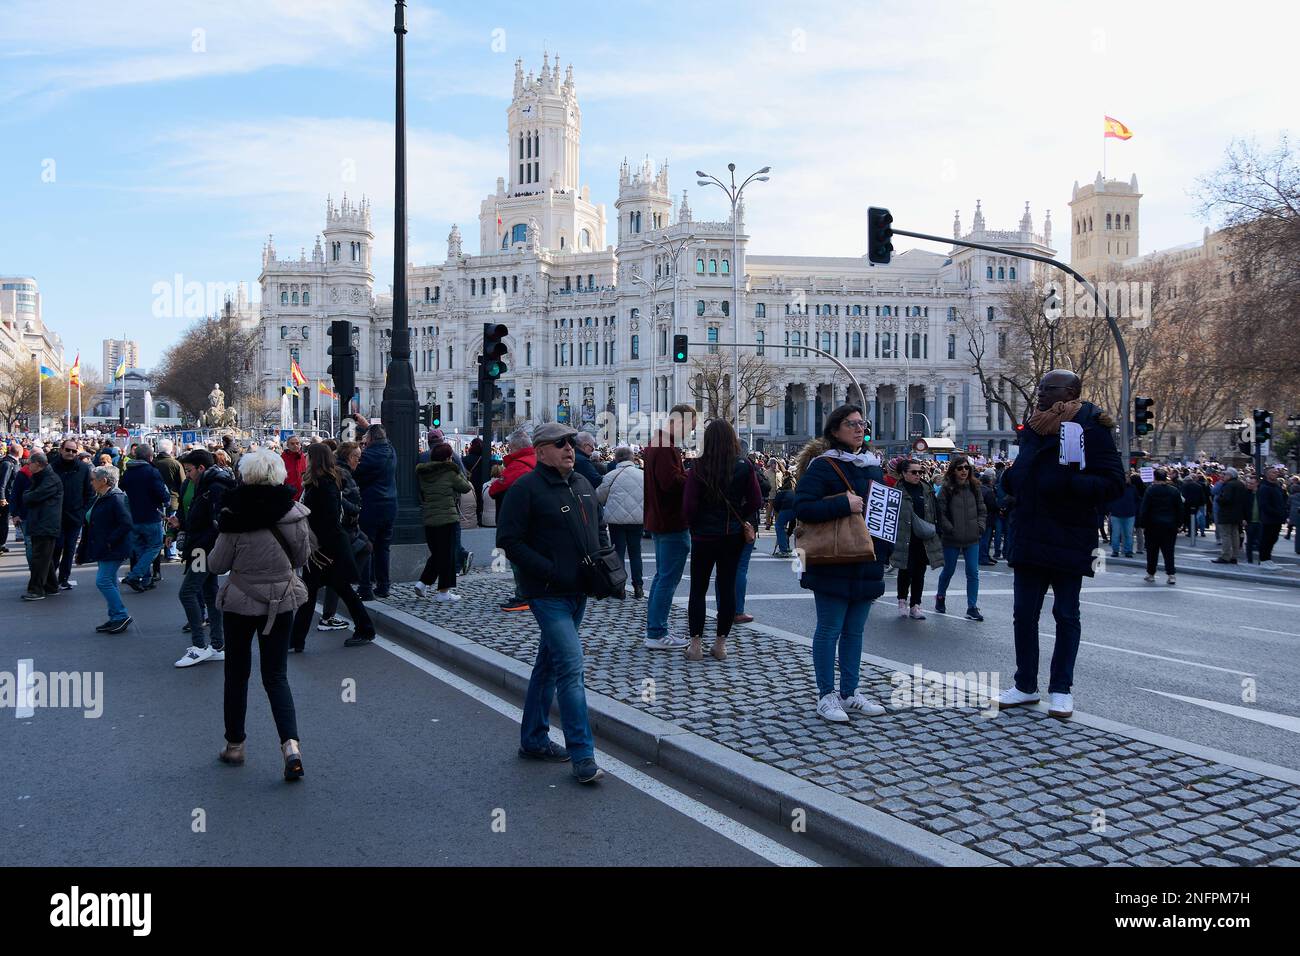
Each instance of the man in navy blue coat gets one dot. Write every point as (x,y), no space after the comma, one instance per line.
(148,495)
(1052,537)
(376,475)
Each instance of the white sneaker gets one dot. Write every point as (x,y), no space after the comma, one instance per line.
(916,614)
(862,704)
(1171,579)
(831,708)
(421,589)
(217,655)
(1270,565)
(902,607)
(1014,697)
(443,597)
(1149,578)
(195,655)
(1060,705)
(669,642)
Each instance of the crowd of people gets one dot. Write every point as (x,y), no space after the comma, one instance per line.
(260,532)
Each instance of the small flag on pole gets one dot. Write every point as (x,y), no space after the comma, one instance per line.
(1114,129)
(46,373)
(74,374)
(121,370)
(324,389)
(295,373)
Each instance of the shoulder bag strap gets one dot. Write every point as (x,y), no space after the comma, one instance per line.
(847,483)
(284,545)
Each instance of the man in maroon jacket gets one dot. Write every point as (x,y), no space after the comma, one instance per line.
(665,480)
(519,461)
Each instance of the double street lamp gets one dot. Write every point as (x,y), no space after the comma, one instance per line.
(733,193)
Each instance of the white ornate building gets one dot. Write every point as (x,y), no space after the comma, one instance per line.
(583,334)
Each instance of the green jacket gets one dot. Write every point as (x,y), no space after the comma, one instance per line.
(902,547)
(441,485)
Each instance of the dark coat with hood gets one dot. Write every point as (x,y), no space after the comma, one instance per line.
(201,518)
(324,499)
(815,500)
(263,577)
(1054,515)
(441,485)
(42,505)
(107,532)
(146,491)
(77,489)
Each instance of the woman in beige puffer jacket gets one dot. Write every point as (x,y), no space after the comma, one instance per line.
(263,541)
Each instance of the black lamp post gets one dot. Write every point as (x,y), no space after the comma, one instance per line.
(398,408)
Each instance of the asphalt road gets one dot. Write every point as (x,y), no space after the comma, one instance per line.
(416,771)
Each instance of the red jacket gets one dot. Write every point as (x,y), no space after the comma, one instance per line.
(665,480)
(295,464)
(517,464)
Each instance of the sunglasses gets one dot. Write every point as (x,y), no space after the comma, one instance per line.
(962,468)
(566,440)
(914,471)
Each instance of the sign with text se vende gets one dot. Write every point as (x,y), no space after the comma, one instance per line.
(882,506)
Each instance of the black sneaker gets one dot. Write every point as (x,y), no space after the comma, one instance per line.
(468,563)
(514,604)
(553,753)
(586,771)
(117,627)
(33,596)
(356,640)
(366,595)
(103,628)
(940,605)
(973,614)
(381,593)
(134,585)
(67,585)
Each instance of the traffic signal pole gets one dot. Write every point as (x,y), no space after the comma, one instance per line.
(1125,435)
(862,396)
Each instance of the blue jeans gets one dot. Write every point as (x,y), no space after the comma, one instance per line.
(742,577)
(106,581)
(199,589)
(377,523)
(671,550)
(626,539)
(783,539)
(839,622)
(999,535)
(1030,588)
(970,553)
(146,543)
(558,673)
(986,539)
(1121,535)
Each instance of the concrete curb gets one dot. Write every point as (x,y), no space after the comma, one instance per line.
(1250,577)
(833,820)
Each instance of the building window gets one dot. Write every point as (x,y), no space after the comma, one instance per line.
(450,364)
(952,313)
(855,350)
(528,353)
(952,346)
(760,311)
(726,267)
(284,331)
(636,346)
(1126,221)
(284,298)
(1002,344)
(826,341)
(1002,272)
(1013,273)
(713,267)
(699,306)
(990,272)
(726,308)
(990,313)
(699,267)
(306,298)
(760,337)
(713,339)
(1107,220)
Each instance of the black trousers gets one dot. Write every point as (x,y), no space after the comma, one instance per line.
(1160,541)
(273,649)
(361,623)
(65,550)
(42,580)
(4,525)
(724,554)
(912,578)
(1268,538)
(441,563)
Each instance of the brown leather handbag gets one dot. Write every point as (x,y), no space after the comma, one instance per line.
(841,541)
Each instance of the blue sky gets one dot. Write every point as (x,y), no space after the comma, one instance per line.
(176,151)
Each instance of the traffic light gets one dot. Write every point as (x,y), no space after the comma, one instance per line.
(1142,416)
(879,235)
(494,349)
(435,415)
(679,349)
(426,415)
(1263,426)
(341,368)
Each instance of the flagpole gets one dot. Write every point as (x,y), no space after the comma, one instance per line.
(78,407)
(40,398)
(68,420)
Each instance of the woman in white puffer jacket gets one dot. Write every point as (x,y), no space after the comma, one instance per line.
(622,494)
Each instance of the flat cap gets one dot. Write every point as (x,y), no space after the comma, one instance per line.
(552,431)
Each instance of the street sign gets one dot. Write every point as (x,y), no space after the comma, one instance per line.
(188,438)
(920,445)
(284,434)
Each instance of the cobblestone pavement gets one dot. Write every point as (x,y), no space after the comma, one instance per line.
(1021,787)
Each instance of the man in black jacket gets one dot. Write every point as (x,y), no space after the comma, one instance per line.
(1272,500)
(549,523)
(1052,540)
(199,588)
(41,522)
(1162,510)
(77,495)
(10,465)
(1194,495)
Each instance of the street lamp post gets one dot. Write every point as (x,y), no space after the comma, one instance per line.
(733,193)
(398,407)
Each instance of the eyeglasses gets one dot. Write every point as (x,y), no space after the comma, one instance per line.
(856,424)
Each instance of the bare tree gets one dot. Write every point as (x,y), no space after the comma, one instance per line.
(18,392)
(710,383)
(214,349)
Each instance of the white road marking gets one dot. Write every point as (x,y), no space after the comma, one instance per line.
(1158,657)
(1135,610)
(1282,721)
(719,823)
(1268,631)
(1233,597)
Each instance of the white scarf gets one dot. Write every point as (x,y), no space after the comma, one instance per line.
(861,459)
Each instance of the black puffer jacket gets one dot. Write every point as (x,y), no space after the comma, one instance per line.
(547,525)
(201,518)
(1162,506)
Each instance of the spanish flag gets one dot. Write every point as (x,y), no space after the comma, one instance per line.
(74,373)
(1116,130)
(295,373)
(324,389)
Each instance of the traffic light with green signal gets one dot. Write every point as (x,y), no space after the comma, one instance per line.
(494,350)
(680,351)
(1142,416)
(880,235)
(435,415)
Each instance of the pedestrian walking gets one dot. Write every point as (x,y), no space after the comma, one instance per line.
(962,519)
(10,465)
(174,477)
(77,494)
(720,496)
(263,540)
(622,496)
(783,502)
(208,485)
(1234,503)
(40,518)
(1123,517)
(1271,502)
(918,546)
(345,459)
(295,464)
(376,475)
(1053,529)
(755,521)
(1163,511)
(441,483)
(665,484)
(147,493)
(549,525)
(106,542)
(331,563)
(835,473)
(521,458)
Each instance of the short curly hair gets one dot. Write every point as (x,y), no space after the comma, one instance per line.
(262,467)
